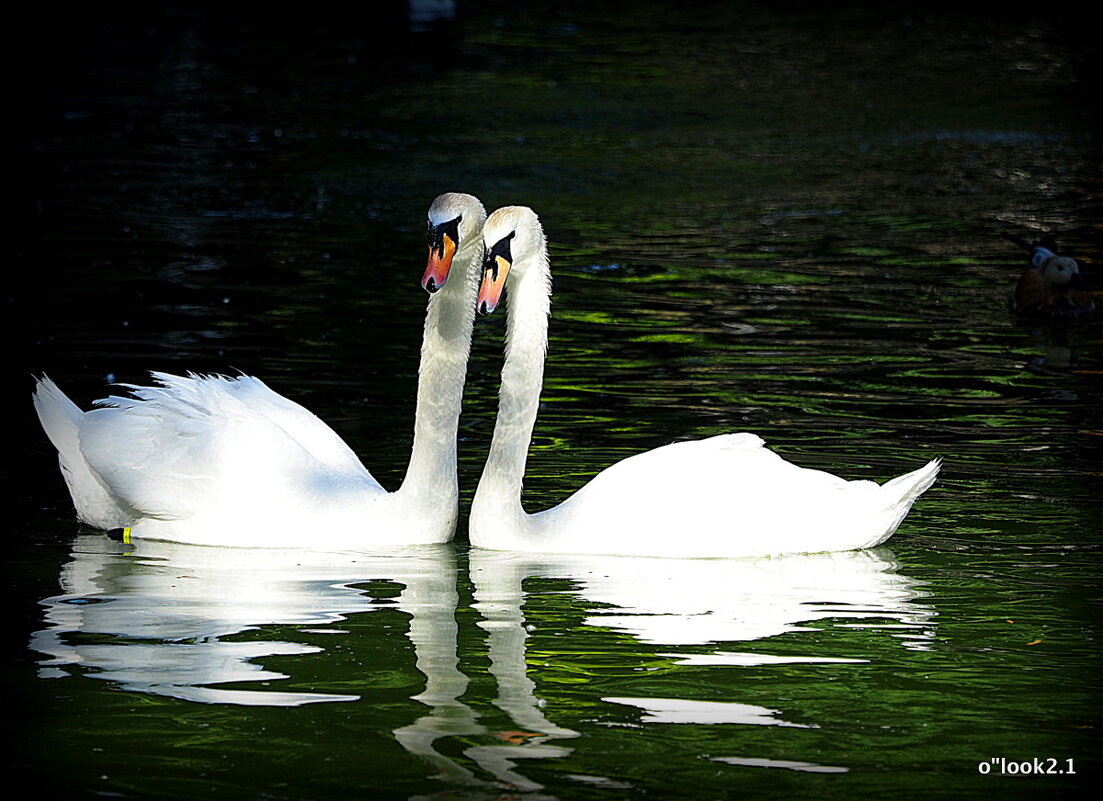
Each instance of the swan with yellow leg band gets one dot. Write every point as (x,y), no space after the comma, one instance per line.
(220,460)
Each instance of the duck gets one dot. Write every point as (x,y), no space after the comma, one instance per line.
(225,460)
(1051,286)
(726,496)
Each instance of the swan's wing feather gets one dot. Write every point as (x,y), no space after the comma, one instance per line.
(302,425)
(159,457)
(172,449)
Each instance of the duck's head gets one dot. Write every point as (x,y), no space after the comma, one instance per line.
(512,237)
(1060,271)
(455,220)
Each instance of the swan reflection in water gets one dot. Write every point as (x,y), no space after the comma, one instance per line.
(156,617)
(700,602)
(161,619)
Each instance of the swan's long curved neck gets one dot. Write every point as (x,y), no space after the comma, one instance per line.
(445,347)
(498,497)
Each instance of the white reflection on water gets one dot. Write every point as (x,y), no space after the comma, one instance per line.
(707,713)
(155,619)
(802,767)
(162,619)
(158,619)
(706,601)
(499,603)
(699,602)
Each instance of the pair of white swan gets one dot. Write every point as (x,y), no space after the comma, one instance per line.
(214,460)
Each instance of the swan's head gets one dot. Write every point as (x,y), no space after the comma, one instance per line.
(510,234)
(455,220)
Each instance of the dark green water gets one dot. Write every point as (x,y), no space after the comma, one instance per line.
(784,221)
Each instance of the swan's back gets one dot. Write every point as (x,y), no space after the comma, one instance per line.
(727,495)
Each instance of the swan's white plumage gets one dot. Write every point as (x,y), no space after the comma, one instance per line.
(227,461)
(725,496)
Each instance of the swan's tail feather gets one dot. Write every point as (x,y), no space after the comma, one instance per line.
(911,485)
(59,416)
(901,492)
(60,419)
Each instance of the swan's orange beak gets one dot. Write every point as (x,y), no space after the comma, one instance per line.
(443,240)
(495,269)
(436,270)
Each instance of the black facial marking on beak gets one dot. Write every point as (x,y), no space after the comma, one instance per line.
(437,233)
(500,249)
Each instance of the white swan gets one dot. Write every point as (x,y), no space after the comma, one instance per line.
(726,496)
(227,461)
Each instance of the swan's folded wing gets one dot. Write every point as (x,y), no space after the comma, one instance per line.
(706,471)
(317,438)
(192,444)
(157,460)
(709,482)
